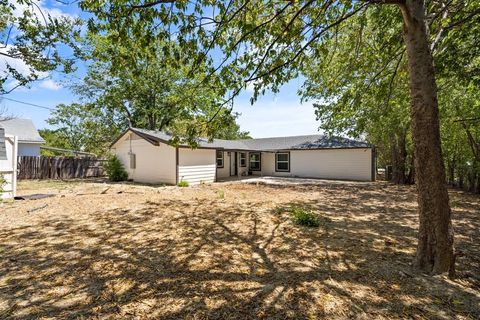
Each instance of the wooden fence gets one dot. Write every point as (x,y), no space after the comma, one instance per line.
(59,167)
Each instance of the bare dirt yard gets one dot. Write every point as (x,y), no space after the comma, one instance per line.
(228,251)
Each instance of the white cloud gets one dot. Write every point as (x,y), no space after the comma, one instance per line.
(42,8)
(49,84)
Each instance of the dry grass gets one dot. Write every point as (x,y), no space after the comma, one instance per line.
(144,252)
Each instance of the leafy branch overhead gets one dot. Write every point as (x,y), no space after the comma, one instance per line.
(34,41)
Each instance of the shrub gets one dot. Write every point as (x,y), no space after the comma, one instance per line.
(3,182)
(115,170)
(183,183)
(304,217)
(221,194)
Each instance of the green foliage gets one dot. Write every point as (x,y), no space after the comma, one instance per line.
(351,54)
(30,34)
(115,170)
(304,217)
(183,183)
(82,127)
(221,194)
(143,85)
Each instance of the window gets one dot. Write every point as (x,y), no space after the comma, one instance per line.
(243,159)
(219,159)
(282,161)
(255,163)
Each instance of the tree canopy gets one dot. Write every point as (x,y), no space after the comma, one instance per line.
(33,42)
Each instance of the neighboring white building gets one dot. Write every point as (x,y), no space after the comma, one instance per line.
(8,165)
(148,157)
(29,140)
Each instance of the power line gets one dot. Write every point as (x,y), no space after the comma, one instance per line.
(27,103)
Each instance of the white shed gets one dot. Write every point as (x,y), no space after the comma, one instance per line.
(8,164)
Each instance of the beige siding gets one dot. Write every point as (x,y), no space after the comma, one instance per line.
(342,164)
(154,164)
(225,171)
(8,168)
(196,166)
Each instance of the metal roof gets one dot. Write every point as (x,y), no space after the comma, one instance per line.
(308,142)
(24,129)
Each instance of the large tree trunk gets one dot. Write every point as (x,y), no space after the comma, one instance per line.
(435,237)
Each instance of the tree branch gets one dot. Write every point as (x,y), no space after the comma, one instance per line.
(150,4)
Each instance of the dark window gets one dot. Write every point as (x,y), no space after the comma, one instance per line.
(255,161)
(282,161)
(219,159)
(243,159)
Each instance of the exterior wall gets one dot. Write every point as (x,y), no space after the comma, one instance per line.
(28,149)
(197,165)
(8,168)
(154,164)
(225,171)
(342,164)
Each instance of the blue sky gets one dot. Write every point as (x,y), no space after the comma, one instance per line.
(272,115)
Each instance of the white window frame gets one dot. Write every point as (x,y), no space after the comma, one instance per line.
(219,158)
(282,161)
(244,154)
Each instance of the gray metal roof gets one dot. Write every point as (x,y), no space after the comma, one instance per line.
(24,129)
(307,142)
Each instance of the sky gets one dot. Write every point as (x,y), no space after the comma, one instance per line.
(272,115)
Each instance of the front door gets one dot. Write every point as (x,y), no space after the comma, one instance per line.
(233,164)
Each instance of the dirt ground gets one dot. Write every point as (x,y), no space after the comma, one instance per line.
(227,251)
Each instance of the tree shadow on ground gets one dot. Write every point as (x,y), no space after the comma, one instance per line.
(217,259)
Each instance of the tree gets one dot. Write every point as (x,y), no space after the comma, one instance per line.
(150,87)
(34,42)
(82,127)
(363,89)
(265,43)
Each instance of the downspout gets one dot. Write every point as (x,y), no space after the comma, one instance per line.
(176,166)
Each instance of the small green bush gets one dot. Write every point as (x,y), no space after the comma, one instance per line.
(221,194)
(304,217)
(115,170)
(183,183)
(3,182)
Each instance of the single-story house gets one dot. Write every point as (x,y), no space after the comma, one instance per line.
(148,157)
(29,140)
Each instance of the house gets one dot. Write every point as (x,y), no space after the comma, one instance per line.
(148,157)
(29,140)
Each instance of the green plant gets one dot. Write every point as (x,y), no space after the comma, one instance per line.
(304,217)
(3,182)
(221,194)
(183,183)
(115,170)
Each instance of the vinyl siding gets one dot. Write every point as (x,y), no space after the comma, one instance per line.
(196,166)
(342,164)
(8,168)
(154,164)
